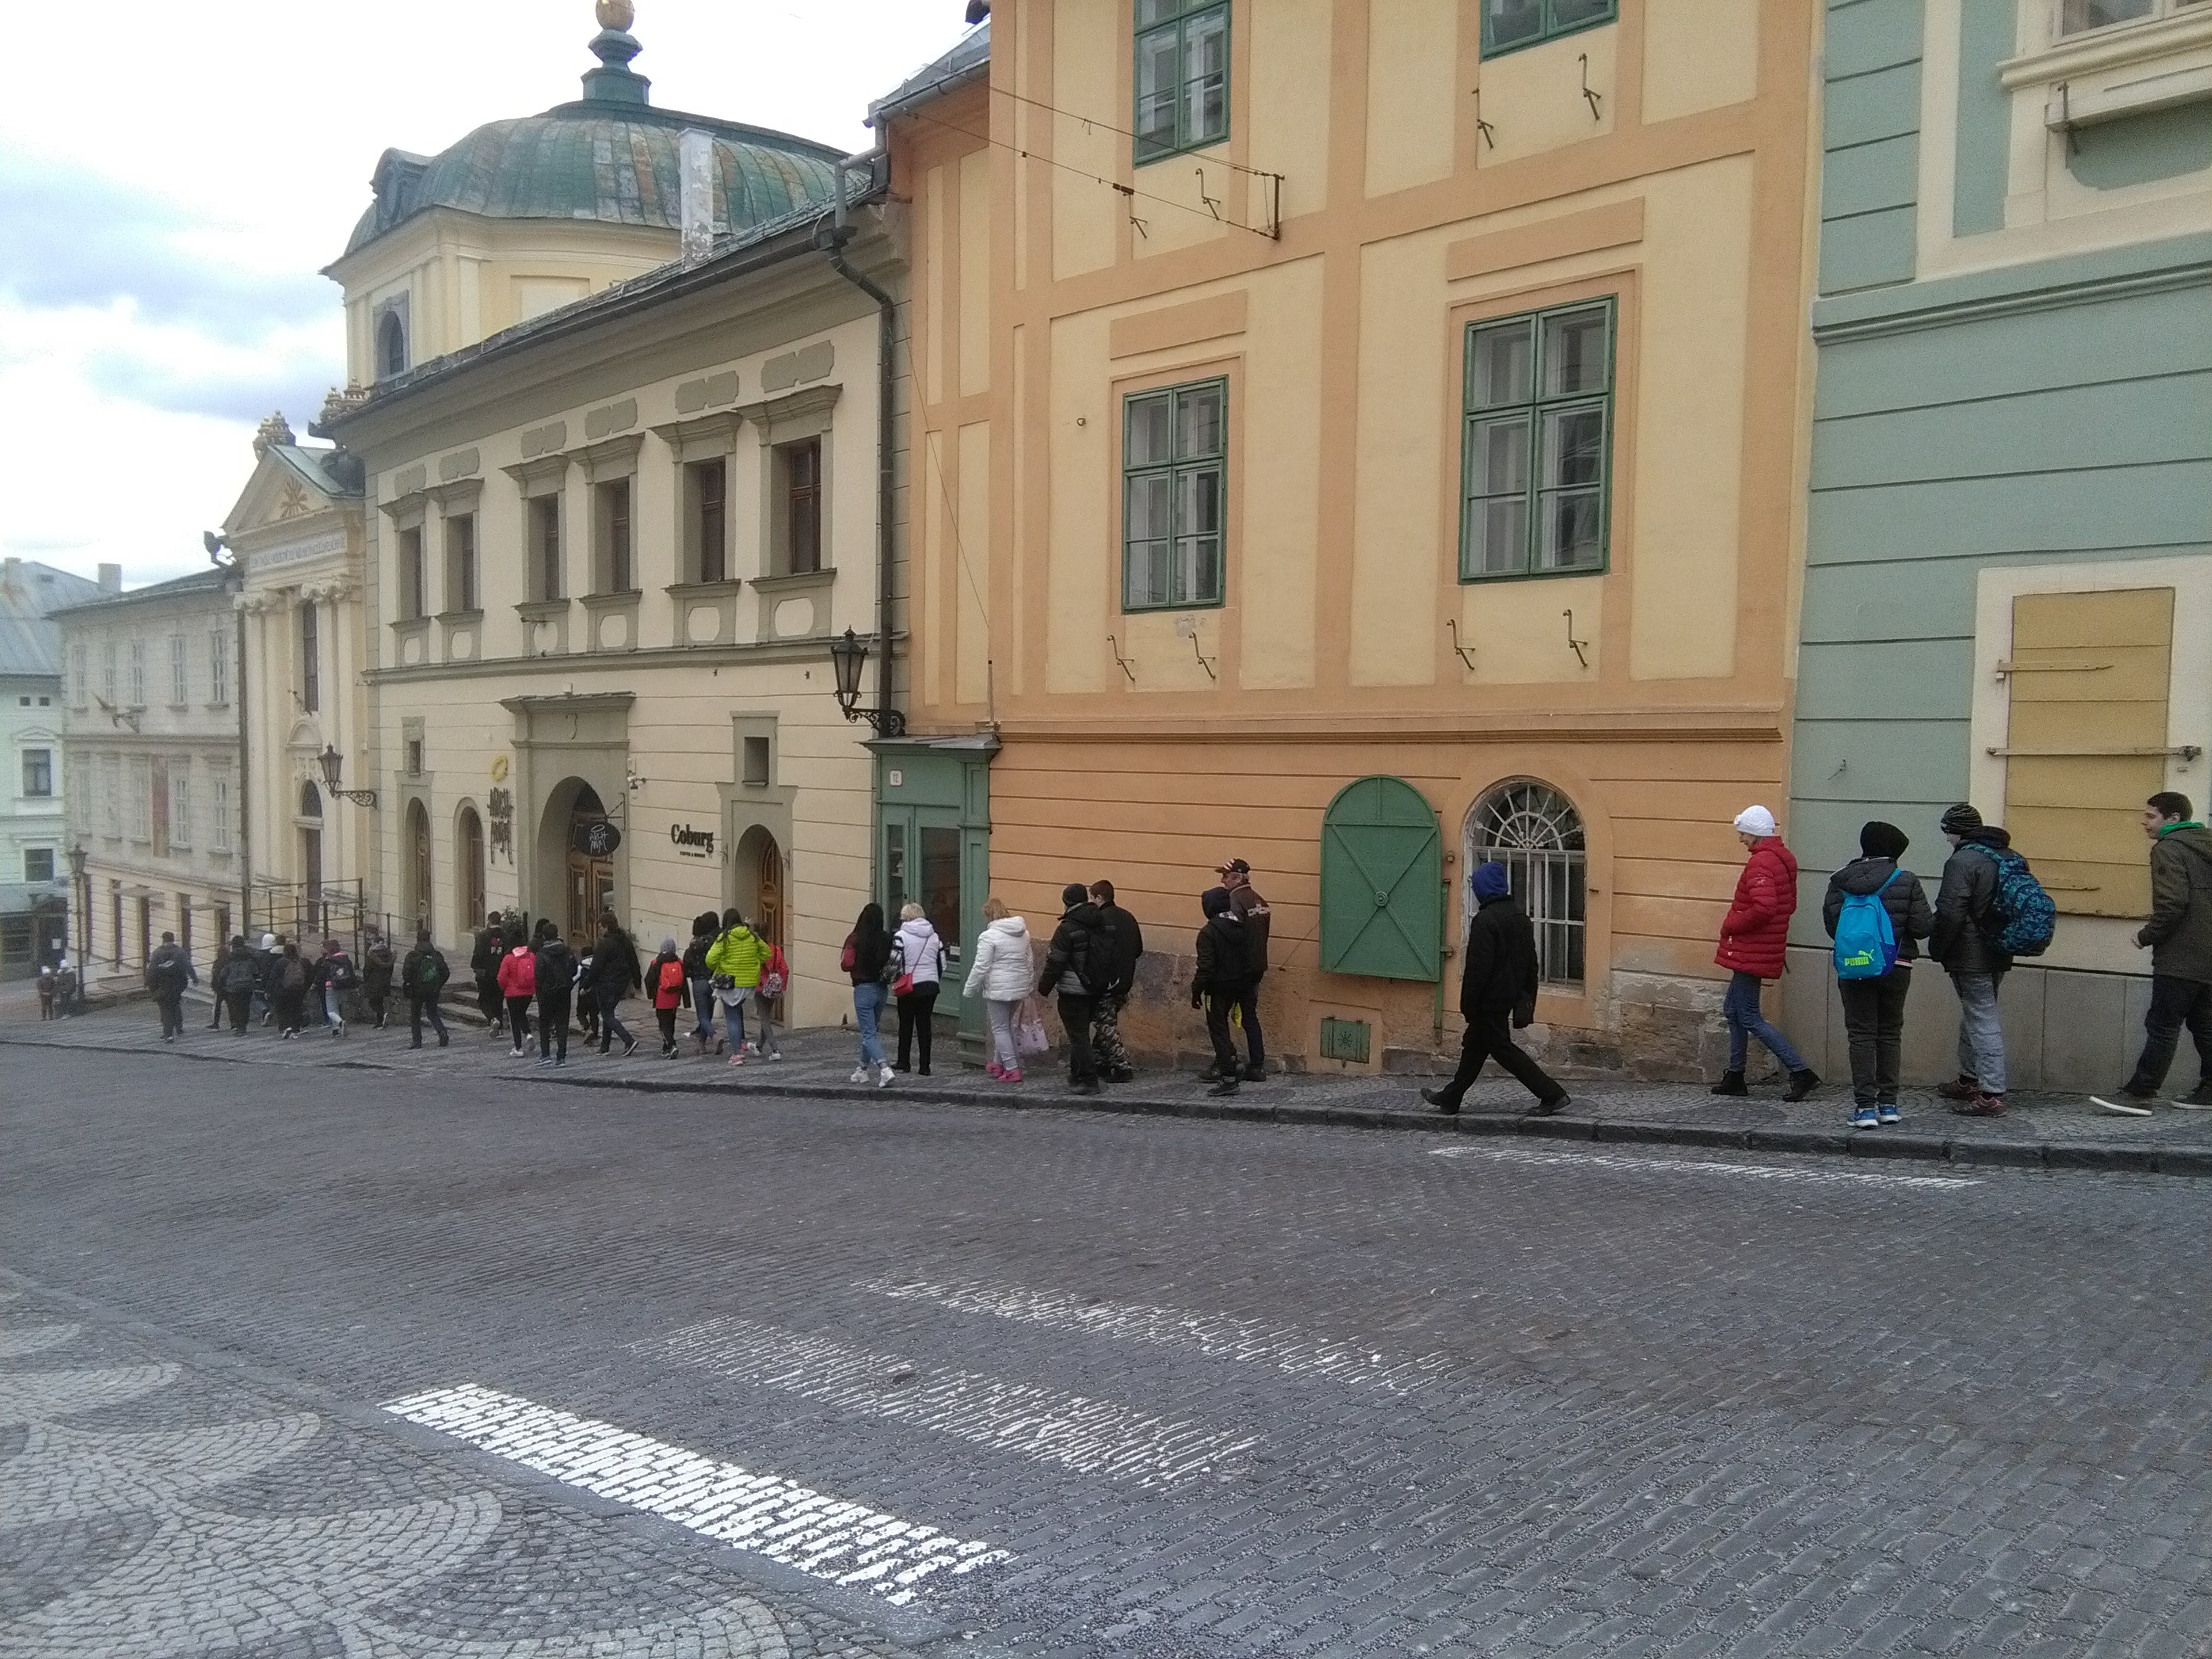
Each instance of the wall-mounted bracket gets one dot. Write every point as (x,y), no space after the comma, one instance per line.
(1489,132)
(1584,60)
(1466,655)
(1128,665)
(1187,627)
(1580,655)
(1213,205)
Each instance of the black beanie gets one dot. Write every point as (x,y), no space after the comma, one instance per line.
(1073,894)
(1960,820)
(1878,840)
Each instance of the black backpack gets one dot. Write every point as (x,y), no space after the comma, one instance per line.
(342,977)
(1090,954)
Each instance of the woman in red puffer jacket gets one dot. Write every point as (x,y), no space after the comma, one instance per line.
(518,983)
(1754,940)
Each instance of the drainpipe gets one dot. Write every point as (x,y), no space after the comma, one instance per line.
(832,244)
(244,810)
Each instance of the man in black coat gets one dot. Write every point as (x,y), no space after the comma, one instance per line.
(1077,971)
(616,972)
(1497,992)
(1126,941)
(1224,979)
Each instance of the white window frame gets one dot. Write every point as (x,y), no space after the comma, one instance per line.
(2158,11)
(219,805)
(111,797)
(108,683)
(218,666)
(137,673)
(77,675)
(180,684)
(141,792)
(181,805)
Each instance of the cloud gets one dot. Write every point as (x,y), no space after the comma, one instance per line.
(72,237)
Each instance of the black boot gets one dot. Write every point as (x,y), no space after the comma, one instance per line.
(1802,1083)
(1731,1083)
(1441,1100)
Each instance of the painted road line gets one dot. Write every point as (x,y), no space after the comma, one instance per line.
(1217,1336)
(838,1543)
(1092,1436)
(1702,1165)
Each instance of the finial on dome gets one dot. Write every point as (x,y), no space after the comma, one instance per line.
(614,82)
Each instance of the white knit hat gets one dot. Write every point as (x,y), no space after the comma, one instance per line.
(1755,821)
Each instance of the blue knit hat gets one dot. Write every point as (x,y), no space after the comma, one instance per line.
(1492,881)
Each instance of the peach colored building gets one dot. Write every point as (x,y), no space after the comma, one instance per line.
(1312,391)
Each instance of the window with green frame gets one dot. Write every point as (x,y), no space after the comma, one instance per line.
(1535,470)
(1182,76)
(1174,470)
(1509,25)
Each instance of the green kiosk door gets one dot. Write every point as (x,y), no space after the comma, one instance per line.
(933,848)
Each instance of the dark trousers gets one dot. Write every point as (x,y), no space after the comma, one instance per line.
(1248,1009)
(488,998)
(517,1019)
(667,1017)
(376,999)
(1075,1014)
(291,1010)
(553,1023)
(1490,1036)
(1874,1021)
(2174,1003)
(914,1010)
(610,1025)
(417,1007)
(172,1012)
(238,1004)
(1218,1004)
(221,1006)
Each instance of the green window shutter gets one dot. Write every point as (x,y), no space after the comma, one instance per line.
(1382,883)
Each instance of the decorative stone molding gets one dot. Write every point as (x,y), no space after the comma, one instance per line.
(610,621)
(795,416)
(544,626)
(410,641)
(794,607)
(461,635)
(706,612)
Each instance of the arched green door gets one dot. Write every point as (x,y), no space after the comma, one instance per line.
(1382,883)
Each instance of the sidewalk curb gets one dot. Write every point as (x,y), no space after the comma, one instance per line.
(2104,1157)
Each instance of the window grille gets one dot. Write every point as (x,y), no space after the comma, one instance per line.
(1535,833)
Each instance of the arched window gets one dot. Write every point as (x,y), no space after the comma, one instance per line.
(1534,831)
(311,801)
(468,866)
(391,346)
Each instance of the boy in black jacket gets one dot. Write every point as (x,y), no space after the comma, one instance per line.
(1497,992)
(1222,980)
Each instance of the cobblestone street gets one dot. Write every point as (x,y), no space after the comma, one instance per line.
(319,1365)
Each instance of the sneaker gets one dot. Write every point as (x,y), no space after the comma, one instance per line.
(1435,1098)
(1551,1107)
(2198,1099)
(1865,1117)
(861,1074)
(544,1060)
(1887,1113)
(1961,1087)
(417,1043)
(1731,1083)
(1802,1083)
(1255,1074)
(775,1053)
(629,1047)
(1982,1106)
(1226,1087)
(514,1054)
(340,1030)
(2125,1102)
(884,1076)
(441,1042)
(1014,1076)
(563,1061)
(736,1059)
(994,1071)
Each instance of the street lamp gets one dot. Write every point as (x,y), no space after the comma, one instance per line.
(849,655)
(82,906)
(332,765)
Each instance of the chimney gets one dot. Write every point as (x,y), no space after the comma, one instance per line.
(111,578)
(695,193)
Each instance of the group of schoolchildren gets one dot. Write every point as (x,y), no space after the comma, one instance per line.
(273,983)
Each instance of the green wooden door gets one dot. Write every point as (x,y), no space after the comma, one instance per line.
(1382,883)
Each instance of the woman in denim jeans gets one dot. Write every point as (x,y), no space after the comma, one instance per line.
(706,928)
(867,953)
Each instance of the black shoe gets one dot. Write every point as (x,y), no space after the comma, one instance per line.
(1122,1074)
(1731,1083)
(1089,1086)
(1255,1074)
(1551,1107)
(1211,1074)
(1802,1083)
(629,1047)
(417,1043)
(441,1042)
(1441,1101)
(1226,1087)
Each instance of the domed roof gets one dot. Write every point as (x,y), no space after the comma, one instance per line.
(610,156)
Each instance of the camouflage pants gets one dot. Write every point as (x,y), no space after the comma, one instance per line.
(1106,1047)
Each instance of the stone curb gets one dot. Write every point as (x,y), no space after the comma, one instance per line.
(2009,1154)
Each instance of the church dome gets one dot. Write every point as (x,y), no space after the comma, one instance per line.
(610,156)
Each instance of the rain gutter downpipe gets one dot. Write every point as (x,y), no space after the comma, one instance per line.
(889,723)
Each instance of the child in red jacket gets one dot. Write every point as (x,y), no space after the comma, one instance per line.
(1754,940)
(671,988)
(518,983)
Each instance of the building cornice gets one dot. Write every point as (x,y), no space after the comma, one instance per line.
(622,662)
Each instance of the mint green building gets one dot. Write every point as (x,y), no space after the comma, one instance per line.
(2008,593)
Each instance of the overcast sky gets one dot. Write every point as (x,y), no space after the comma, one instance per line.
(172,178)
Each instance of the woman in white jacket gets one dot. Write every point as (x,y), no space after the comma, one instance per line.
(918,960)
(1002,975)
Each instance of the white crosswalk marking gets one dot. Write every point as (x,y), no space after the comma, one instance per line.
(827,1538)
(1218,1336)
(1092,1436)
(1701,1166)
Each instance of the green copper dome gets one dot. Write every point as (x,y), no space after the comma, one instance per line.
(609,156)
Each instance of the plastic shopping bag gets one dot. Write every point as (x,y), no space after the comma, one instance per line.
(1030,1036)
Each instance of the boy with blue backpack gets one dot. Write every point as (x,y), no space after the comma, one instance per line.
(1874,910)
(1989,909)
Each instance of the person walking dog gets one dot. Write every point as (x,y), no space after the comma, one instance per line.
(1754,936)
(1002,975)
(2178,937)
(1498,993)
(1875,909)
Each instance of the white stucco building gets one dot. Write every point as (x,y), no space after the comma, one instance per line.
(33,860)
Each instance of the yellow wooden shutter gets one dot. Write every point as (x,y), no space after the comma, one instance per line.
(2088,677)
